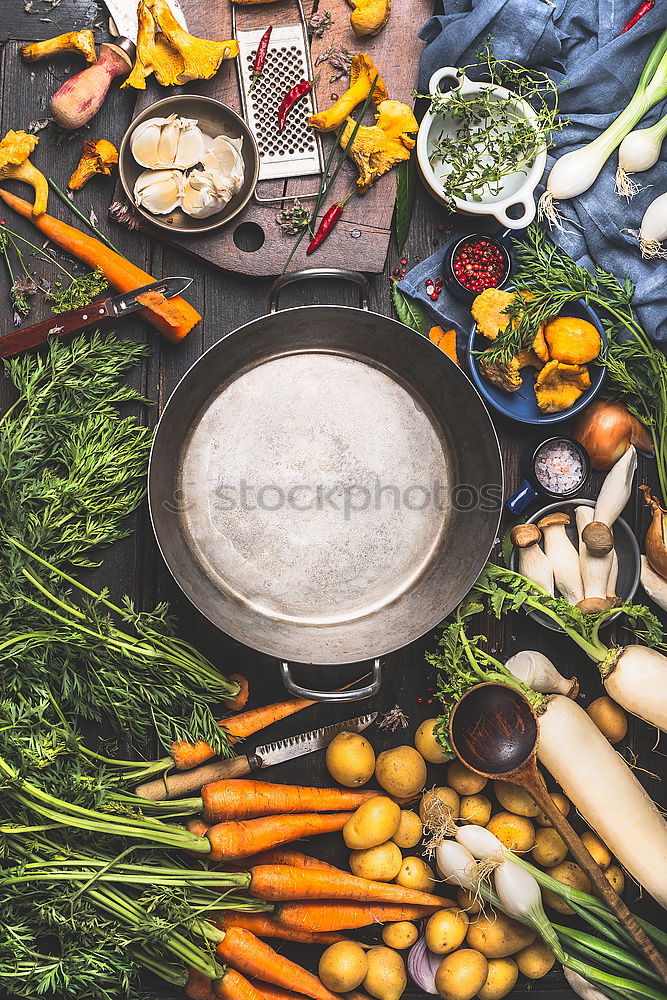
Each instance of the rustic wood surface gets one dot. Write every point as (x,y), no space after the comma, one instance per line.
(134,565)
(364,231)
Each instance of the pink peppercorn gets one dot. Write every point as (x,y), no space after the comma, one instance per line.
(479,264)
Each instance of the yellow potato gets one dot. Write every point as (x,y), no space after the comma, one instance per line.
(409,831)
(381,863)
(614,875)
(498,936)
(400,935)
(517,833)
(609,717)
(416,874)
(468,901)
(500,979)
(437,804)
(350,759)
(514,799)
(463,780)
(535,960)
(386,978)
(373,823)
(343,966)
(475,809)
(561,802)
(549,848)
(593,844)
(427,744)
(401,772)
(446,930)
(569,873)
(461,975)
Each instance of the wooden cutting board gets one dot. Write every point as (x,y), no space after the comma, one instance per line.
(361,238)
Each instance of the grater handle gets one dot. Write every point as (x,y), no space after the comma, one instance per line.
(356,277)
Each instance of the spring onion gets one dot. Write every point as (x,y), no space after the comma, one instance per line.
(578,170)
(639,151)
(653,229)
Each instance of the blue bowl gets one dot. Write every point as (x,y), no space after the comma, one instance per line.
(522,405)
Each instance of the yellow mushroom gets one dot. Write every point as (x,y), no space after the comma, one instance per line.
(71,41)
(96,158)
(170,52)
(362,75)
(558,386)
(378,148)
(15,150)
(369,16)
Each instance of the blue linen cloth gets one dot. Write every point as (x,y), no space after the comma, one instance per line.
(578,43)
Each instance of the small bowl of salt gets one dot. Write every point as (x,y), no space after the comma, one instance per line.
(556,468)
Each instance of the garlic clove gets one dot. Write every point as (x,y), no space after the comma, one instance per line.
(145,141)
(160,143)
(205,193)
(224,154)
(159,191)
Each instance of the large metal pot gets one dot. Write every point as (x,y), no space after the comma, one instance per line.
(325,484)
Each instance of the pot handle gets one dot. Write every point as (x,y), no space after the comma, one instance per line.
(356,277)
(526,217)
(356,694)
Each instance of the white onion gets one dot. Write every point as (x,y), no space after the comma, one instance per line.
(653,229)
(456,864)
(481,843)
(639,151)
(582,987)
(518,892)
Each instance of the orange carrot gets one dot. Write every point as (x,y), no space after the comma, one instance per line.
(278,882)
(199,986)
(187,755)
(445,340)
(174,318)
(271,992)
(234,986)
(236,704)
(243,798)
(243,838)
(286,856)
(335,915)
(255,958)
(264,925)
(198,826)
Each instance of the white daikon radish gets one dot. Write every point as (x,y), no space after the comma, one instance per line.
(605,791)
(538,672)
(639,151)
(653,229)
(637,680)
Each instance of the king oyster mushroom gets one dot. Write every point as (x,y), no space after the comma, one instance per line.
(533,563)
(563,556)
(159,143)
(159,191)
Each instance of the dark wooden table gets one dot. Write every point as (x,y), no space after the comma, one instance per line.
(226,301)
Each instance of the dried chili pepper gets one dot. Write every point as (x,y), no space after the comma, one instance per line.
(260,56)
(290,99)
(329,220)
(639,14)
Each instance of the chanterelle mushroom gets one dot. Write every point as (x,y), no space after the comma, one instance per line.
(369,16)
(378,148)
(558,386)
(170,52)
(96,158)
(15,149)
(533,563)
(563,556)
(71,41)
(362,75)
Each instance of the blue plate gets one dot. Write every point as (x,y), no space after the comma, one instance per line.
(522,405)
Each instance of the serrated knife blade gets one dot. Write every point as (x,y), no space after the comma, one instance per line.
(305,743)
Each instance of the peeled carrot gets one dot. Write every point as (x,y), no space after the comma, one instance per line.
(243,838)
(264,925)
(445,340)
(236,704)
(174,318)
(243,798)
(278,882)
(187,755)
(234,986)
(335,915)
(255,958)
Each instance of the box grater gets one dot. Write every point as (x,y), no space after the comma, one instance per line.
(297,150)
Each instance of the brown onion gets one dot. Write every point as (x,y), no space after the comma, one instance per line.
(656,549)
(606,430)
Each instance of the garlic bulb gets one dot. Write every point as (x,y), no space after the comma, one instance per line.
(205,193)
(159,191)
(223,154)
(168,142)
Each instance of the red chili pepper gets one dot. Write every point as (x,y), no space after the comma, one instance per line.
(290,99)
(329,220)
(260,57)
(644,9)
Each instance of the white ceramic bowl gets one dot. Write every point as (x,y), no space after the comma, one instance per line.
(516,189)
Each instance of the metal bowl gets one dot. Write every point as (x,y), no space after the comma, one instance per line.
(214,118)
(627,550)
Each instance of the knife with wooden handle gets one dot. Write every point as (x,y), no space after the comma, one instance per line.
(80,319)
(186,782)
